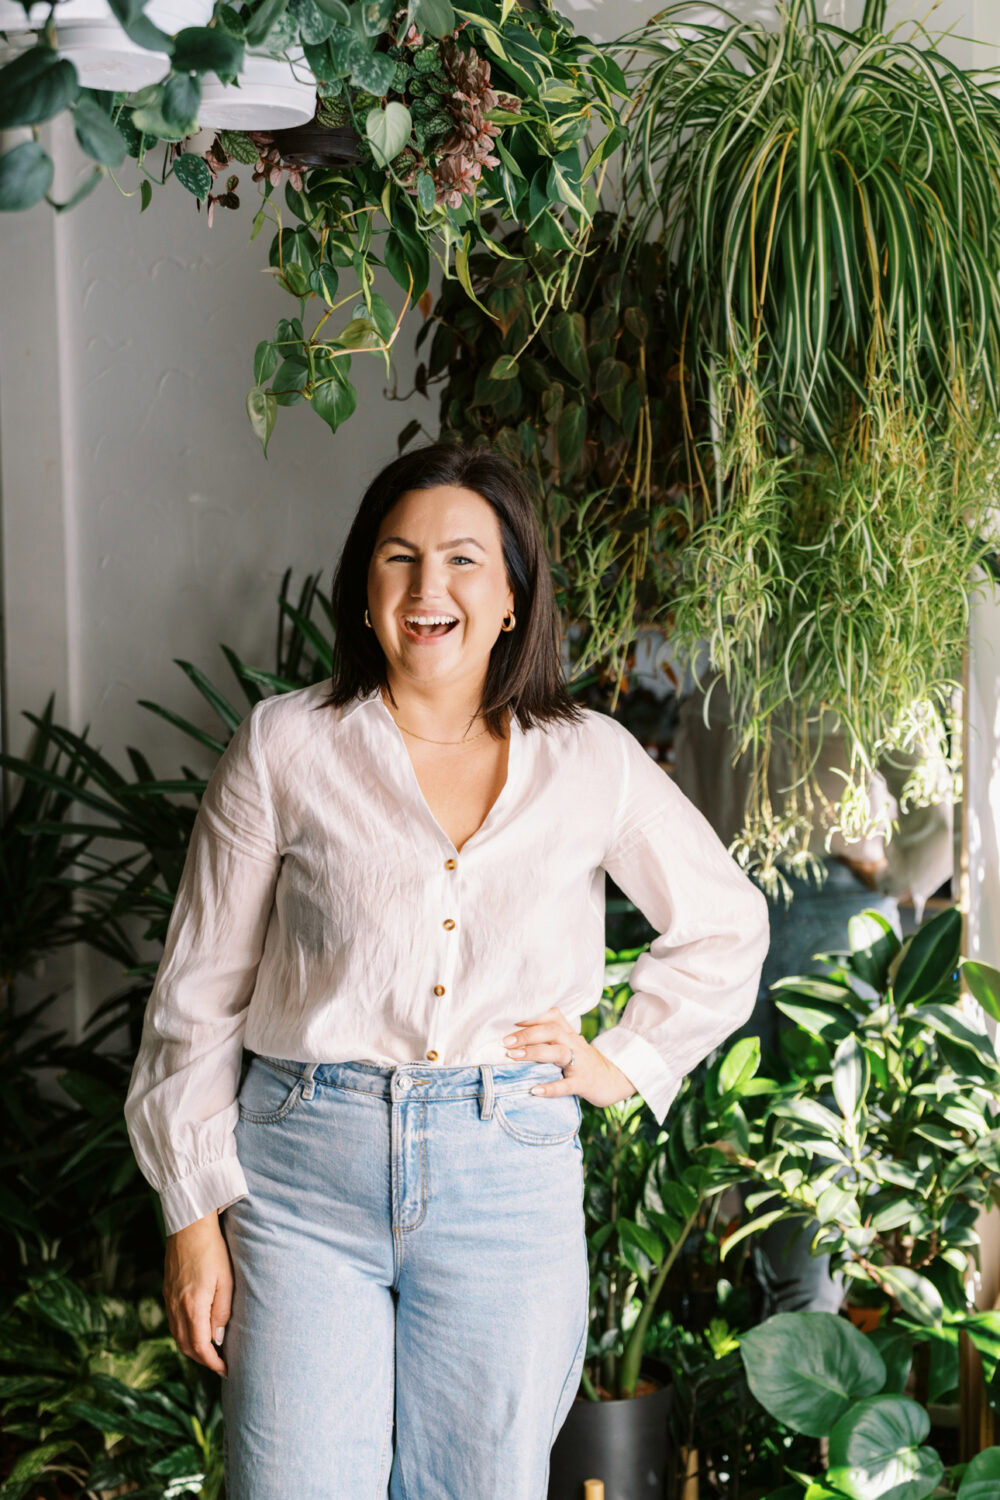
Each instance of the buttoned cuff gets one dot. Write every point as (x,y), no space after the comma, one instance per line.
(211,1188)
(643,1067)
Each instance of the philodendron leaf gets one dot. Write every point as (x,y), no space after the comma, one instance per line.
(875,1450)
(25,175)
(262,409)
(35,86)
(335,399)
(388,131)
(917,1296)
(981,1480)
(809,1368)
(181,99)
(206,49)
(97,133)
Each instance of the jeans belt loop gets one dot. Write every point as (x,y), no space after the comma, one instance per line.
(486,1097)
(309,1086)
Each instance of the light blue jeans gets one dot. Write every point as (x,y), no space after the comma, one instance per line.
(412,1253)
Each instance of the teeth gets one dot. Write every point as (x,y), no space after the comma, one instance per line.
(430,619)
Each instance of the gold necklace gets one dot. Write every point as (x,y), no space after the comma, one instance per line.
(423,736)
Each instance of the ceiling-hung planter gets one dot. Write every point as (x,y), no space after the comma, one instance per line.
(92,39)
(271,93)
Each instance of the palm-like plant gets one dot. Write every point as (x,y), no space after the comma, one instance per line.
(830,207)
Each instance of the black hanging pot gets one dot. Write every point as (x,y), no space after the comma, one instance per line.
(626,1443)
(316,145)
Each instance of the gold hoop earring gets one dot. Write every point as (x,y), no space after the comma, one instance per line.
(513,621)
(367,621)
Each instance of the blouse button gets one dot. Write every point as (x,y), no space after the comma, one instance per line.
(449,864)
(431,1056)
(448,923)
(439,989)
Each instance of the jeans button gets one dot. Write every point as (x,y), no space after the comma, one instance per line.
(404,1081)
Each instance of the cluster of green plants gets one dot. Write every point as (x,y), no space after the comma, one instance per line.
(582,399)
(892,1172)
(450,112)
(828,202)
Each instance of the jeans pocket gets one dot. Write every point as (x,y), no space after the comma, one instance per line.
(269,1093)
(538,1119)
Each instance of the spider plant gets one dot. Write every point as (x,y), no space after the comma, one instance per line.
(829,205)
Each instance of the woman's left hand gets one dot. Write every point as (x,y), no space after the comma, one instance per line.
(550,1038)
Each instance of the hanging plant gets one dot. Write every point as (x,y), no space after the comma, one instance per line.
(830,214)
(584,401)
(420,118)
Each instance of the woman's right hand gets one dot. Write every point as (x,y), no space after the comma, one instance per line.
(198,1289)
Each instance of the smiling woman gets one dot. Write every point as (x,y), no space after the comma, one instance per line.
(408,1133)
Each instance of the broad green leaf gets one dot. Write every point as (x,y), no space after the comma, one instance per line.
(917,1296)
(851,1076)
(568,341)
(874,945)
(984,984)
(388,131)
(335,400)
(929,957)
(875,1451)
(436,17)
(265,362)
(981,1480)
(262,409)
(739,1065)
(181,99)
(193,172)
(26,174)
(206,49)
(35,86)
(97,133)
(809,1368)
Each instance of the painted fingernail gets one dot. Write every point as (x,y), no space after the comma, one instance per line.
(219,1335)
(509,1040)
(515,1052)
(537,1090)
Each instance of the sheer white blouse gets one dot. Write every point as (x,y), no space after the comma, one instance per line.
(324,915)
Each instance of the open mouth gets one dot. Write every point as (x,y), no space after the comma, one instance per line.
(423,629)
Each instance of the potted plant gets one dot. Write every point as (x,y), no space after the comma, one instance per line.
(645,1191)
(826,203)
(584,398)
(885,1134)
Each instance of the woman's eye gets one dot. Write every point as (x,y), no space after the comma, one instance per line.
(406,557)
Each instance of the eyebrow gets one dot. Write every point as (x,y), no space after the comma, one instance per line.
(401,541)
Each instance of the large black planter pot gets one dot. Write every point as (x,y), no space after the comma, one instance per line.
(626,1444)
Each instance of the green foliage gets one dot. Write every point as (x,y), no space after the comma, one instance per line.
(422,94)
(564,366)
(828,202)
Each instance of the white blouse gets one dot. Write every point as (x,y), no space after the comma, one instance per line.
(324,915)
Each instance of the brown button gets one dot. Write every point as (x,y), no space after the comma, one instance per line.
(448,923)
(449,864)
(431,1055)
(439,989)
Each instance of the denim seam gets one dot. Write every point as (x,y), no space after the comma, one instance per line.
(580,1342)
(274,1117)
(383,1468)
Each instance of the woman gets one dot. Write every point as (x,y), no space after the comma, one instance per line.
(394,897)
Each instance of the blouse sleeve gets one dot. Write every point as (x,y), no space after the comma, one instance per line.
(181,1109)
(699,978)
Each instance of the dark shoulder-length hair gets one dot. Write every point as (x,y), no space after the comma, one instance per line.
(524,674)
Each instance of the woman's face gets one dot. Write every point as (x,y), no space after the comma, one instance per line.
(438,553)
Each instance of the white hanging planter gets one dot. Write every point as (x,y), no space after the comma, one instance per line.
(90,37)
(269,95)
